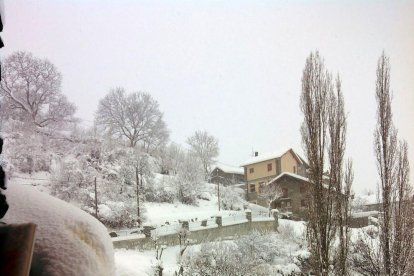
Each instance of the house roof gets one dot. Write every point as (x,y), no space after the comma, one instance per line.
(264,157)
(273,155)
(228,169)
(326,186)
(289,174)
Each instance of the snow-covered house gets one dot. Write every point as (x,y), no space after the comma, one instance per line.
(294,193)
(262,168)
(226,174)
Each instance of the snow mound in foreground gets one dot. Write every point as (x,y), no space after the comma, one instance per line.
(68,240)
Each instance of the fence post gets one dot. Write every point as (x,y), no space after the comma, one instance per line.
(147,231)
(248,215)
(219,221)
(185,225)
(275,213)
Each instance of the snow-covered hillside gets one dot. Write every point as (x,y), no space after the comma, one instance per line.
(157,213)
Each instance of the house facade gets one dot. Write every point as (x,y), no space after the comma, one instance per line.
(294,194)
(261,169)
(227,175)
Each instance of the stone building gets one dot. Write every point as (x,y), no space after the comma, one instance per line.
(295,193)
(227,175)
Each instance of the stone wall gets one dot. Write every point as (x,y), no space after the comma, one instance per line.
(202,235)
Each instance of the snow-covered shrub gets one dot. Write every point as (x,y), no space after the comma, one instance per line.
(216,258)
(158,192)
(221,258)
(69,181)
(117,214)
(189,179)
(258,247)
(231,198)
(28,151)
(252,254)
(288,232)
(366,257)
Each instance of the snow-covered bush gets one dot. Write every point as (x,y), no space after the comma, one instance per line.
(189,179)
(69,180)
(250,255)
(288,232)
(27,150)
(159,191)
(258,247)
(215,258)
(231,198)
(117,214)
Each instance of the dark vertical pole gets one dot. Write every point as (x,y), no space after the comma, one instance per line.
(137,182)
(96,199)
(218,189)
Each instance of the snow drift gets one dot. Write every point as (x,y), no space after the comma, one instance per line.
(68,240)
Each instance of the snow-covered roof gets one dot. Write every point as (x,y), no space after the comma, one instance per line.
(326,186)
(290,174)
(364,214)
(370,199)
(264,157)
(228,169)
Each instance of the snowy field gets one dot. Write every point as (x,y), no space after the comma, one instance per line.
(140,263)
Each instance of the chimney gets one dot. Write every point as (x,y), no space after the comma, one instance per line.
(256,154)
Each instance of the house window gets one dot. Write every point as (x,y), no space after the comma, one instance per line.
(303,203)
(285,192)
(302,189)
(294,169)
(269,167)
(252,188)
(261,186)
(251,170)
(288,204)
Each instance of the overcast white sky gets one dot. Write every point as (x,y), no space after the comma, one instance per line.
(232,68)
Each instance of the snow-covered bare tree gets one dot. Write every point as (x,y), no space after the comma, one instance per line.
(135,168)
(270,193)
(30,91)
(323,137)
(135,117)
(170,158)
(206,148)
(396,223)
(189,179)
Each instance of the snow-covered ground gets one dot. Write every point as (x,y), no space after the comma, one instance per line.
(160,213)
(40,180)
(141,262)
